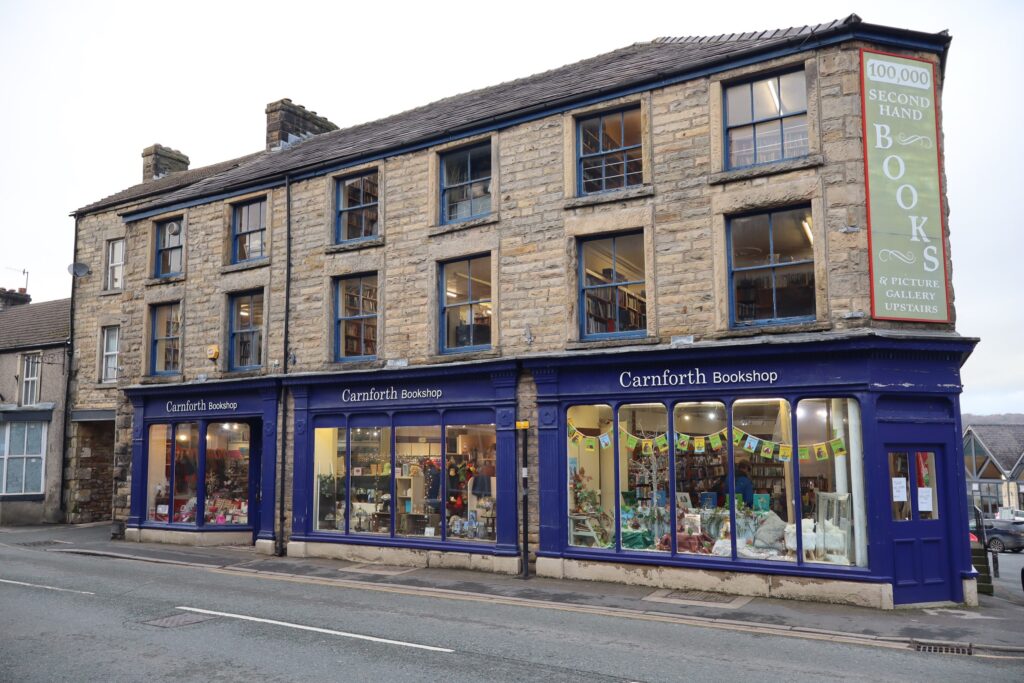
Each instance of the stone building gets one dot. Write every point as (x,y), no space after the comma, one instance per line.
(34,342)
(662,258)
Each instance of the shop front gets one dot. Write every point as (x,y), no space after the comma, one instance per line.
(818,470)
(412,467)
(203,463)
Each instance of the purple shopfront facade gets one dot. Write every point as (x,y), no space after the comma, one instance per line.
(435,398)
(907,389)
(241,407)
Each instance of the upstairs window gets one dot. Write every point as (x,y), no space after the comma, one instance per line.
(355,328)
(165,347)
(771,265)
(30,366)
(613,294)
(110,350)
(466,304)
(356,203)
(114,276)
(466,183)
(248,231)
(246,331)
(766,120)
(170,240)
(609,152)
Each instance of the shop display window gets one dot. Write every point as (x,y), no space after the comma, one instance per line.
(702,482)
(370,503)
(644,521)
(227,473)
(763,480)
(329,469)
(158,484)
(591,459)
(830,455)
(418,481)
(471,483)
(186,471)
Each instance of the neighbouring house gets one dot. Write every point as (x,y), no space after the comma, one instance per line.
(994,464)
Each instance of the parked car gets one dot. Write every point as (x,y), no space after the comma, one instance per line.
(1002,534)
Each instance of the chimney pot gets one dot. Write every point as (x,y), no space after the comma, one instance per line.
(158,161)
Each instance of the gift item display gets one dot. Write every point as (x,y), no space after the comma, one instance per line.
(227,473)
(470,483)
(702,485)
(643,477)
(329,466)
(370,480)
(417,484)
(591,461)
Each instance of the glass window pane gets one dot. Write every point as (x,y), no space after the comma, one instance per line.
(590,448)
(631,127)
(243,314)
(458,203)
(751,245)
(186,473)
(597,262)
(456,282)
(257,310)
(33,475)
(15,475)
(614,172)
(737,105)
(769,141)
(794,136)
(793,88)
(600,310)
(702,485)
(456,168)
(480,203)
(590,136)
(480,275)
(794,291)
(766,99)
(634,167)
(17,446)
(632,303)
(329,479)
(593,174)
(831,458)
(158,474)
(369,336)
(34,438)
(458,328)
(792,238)
(417,474)
(611,132)
(480,162)
(167,356)
(227,473)
(927,494)
(481,313)
(470,460)
(752,294)
(741,147)
(629,258)
(3,444)
(370,508)
(899,486)
(643,477)
(763,470)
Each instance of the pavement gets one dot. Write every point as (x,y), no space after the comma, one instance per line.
(995,627)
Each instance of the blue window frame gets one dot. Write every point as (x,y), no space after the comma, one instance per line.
(246,330)
(165,342)
(609,152)
(771,267)
(355,317)
(613,294)
(356,201)
(766,120)
(170,241)
(248,231)
(466,183)
(466,311)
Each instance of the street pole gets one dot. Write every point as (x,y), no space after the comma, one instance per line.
(524,428)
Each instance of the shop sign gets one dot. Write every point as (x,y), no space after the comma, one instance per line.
(904,191)
(200,405)
(390,393)
(695,377)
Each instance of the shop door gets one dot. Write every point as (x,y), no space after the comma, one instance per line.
(920,545)
(255,480)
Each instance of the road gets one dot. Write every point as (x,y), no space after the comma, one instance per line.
(80,618)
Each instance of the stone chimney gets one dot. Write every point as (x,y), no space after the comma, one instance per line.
(288,123)
(158,161)
(10,298)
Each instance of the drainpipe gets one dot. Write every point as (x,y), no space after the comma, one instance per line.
(279,549)
(69,361)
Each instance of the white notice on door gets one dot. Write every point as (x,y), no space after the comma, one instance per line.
(924,499)
(899,489)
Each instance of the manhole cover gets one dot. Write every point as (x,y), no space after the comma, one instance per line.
(701,596)
(40,544)
(697,598)
(176,620)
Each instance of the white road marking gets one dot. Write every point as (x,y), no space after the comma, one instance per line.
(49,588)
(315,629)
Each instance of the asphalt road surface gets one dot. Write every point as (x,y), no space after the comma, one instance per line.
(67,617)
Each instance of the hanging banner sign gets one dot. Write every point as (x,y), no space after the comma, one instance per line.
(904,191)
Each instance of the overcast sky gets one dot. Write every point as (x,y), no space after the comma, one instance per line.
(86,86)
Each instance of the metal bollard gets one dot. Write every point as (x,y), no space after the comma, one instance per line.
(995,565)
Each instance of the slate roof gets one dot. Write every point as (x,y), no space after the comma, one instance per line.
(28,325)
(629,67)
(1005,442)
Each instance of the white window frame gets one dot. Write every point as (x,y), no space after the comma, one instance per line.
(6,458)
(30,382)
(105,355)
(114,265)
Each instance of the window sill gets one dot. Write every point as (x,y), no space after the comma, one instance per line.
(111,292)
(162,379)
(246,265)
(103,386)
(355,245)
(609,197)
(243,373)
(768,328)
(164,280)
(580,345)
(460,356)
(22,497)
(367,363)
(446,228)
(762,170)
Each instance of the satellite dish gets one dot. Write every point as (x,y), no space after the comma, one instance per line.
(174,228)
(78,269)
